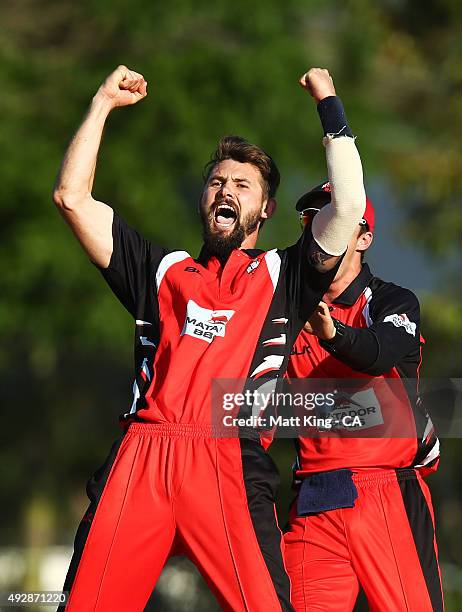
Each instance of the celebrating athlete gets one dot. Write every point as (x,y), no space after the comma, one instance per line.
(169,484)
(363,515)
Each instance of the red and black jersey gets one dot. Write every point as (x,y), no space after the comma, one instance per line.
(197,321)
(378,336)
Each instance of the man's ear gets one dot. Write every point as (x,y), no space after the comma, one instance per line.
(269,209)
(364,241)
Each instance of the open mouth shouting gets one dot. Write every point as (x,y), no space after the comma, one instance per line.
(225,216)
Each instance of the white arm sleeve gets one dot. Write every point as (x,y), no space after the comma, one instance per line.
(335,223)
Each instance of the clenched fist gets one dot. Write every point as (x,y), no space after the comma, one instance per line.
(320,323)
(319,83)
(123,87)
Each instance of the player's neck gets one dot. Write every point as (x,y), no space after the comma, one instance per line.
(250,241)
(344,277)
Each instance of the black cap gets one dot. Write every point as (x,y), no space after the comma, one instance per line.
(319,196)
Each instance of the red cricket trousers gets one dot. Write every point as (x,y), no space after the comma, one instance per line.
(386,544)
(175,489)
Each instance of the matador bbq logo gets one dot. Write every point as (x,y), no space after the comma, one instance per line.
(205,324)
(360,410)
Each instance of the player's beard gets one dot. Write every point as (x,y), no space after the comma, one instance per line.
(221,244)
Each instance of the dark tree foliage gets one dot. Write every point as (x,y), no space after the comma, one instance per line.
(212,68)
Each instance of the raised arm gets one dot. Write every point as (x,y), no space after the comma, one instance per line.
(335,223)
(90,220)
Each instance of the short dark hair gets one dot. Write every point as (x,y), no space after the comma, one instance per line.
(240,150)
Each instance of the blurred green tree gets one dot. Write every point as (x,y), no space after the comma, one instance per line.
(212,69)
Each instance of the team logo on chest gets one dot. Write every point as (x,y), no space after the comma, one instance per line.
(253,266)
(205,324)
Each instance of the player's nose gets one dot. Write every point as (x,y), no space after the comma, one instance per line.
(226,191)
